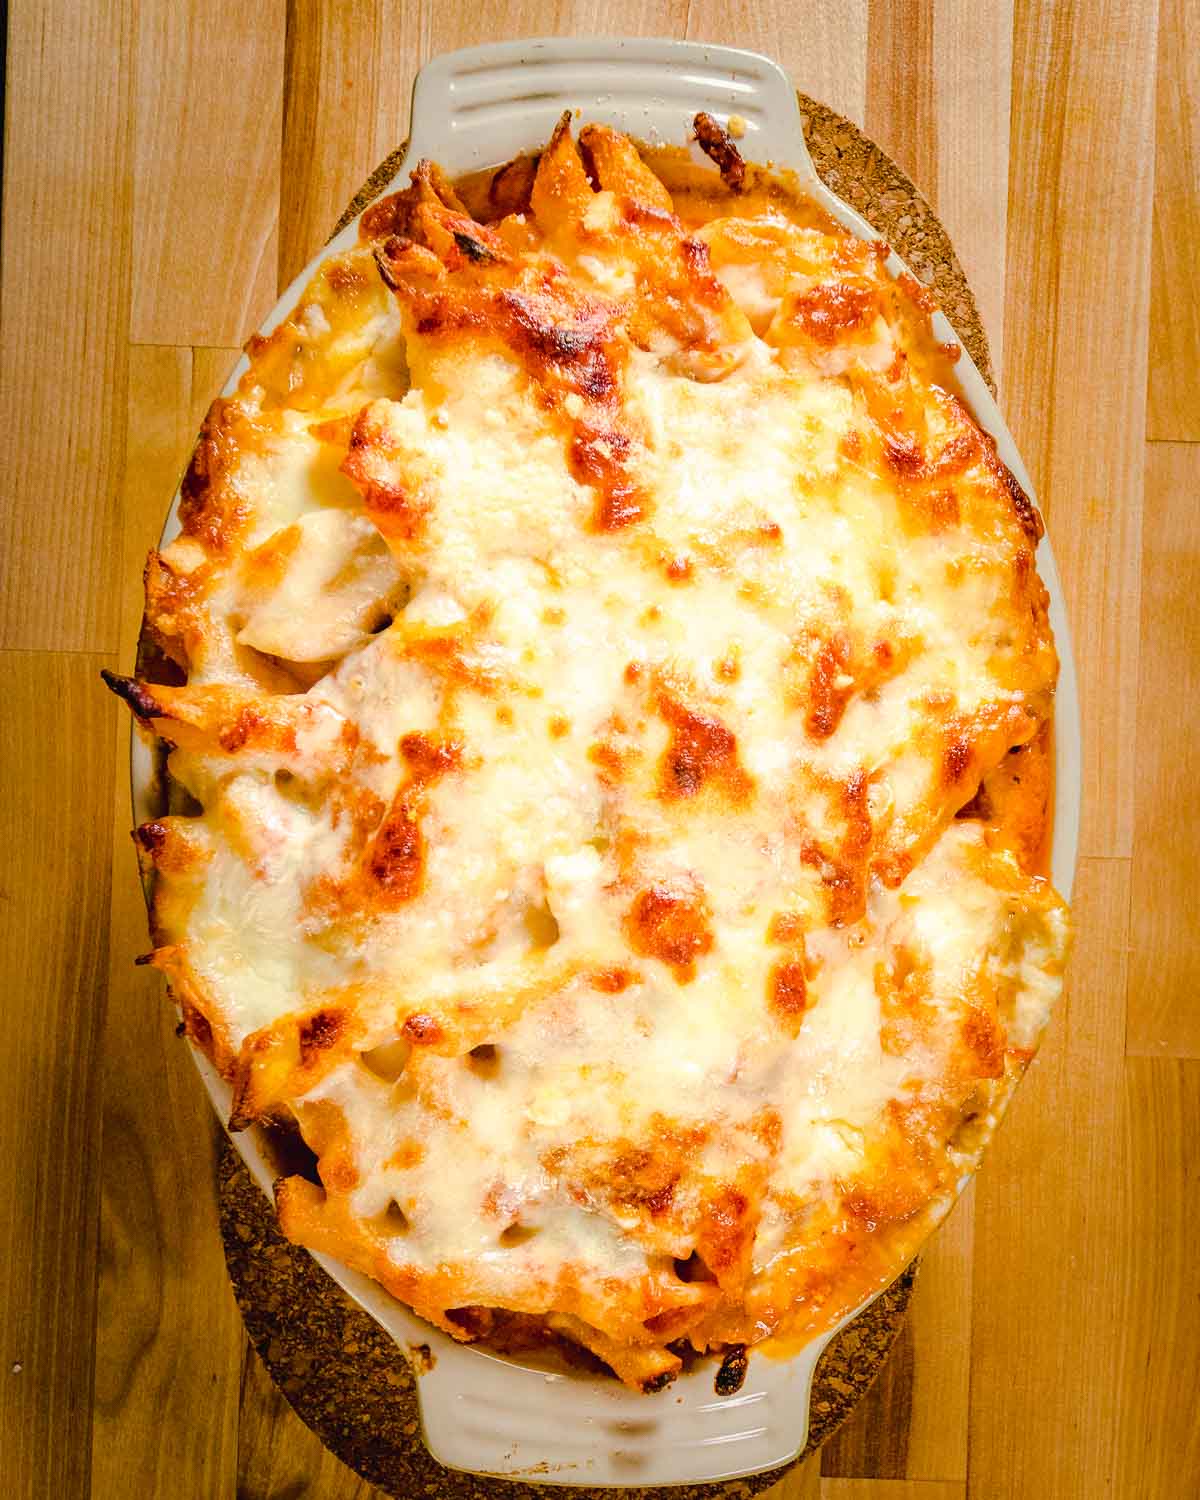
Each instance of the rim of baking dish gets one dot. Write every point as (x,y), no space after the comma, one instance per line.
(482,1412)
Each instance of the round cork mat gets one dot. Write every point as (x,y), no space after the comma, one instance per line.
(338,1369)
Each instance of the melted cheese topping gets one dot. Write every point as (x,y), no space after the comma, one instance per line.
(593,626)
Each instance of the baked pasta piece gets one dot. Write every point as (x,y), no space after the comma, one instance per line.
(607,704)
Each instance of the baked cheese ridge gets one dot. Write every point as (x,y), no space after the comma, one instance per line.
(610,759)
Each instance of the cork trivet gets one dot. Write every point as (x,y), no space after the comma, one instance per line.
(336,1366)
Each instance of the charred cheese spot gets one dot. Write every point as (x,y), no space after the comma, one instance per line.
(614,980)
(956,761)
(600,457)
(717,144)
(670,921)
(375,463)
(829,311)
(251,726)
(702,751)
(396,859)
(321,1031)
(829,686)
(785,927)
(429,758)
(422,1030)
(788,990)
(726,1230)
(207,510)
(984,1038)
(729,666)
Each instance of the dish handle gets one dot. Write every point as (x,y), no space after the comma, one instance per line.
(483,1414)
(479,107)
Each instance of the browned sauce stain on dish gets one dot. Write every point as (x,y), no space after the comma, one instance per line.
(731,1375)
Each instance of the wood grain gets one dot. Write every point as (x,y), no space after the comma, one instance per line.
(56,764)
(913,1421)
(1164,964)
(890,1489)
(941,1333)
(281,1459)
(169,1338)
(972,101)
(900,87)
(210,370)
(348,81)
(1055,1237)
(1173,408)
(1159,1434)
(1075,316)
(206,169)
(803,1483)
(64,294)
(822,45)
(451,26)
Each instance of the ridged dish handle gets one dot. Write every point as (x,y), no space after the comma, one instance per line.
(485,1415)
(479,107)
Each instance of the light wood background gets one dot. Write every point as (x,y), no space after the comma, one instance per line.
(170,163)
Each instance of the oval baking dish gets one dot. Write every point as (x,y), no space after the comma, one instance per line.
(481,1412)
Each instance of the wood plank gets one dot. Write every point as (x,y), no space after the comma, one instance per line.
(802,1483)
(279,1458)
(900,94)
(210,370)
(1075,315)
(972,100)
(912,1423)
(1174,411)
(207,123)
(169,1337)
(1164,967)
(890,1489)
(470,25)
(822,45)
(1055,1239)
(348,81)
(1159,1433)
(56,766)
(64,296)
(938,101)
(941,1326)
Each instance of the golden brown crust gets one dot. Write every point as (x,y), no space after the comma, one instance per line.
(757,822)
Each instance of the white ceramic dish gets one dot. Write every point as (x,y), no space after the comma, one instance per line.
(475,109)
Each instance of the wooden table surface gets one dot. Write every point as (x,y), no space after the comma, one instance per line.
(168,165)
